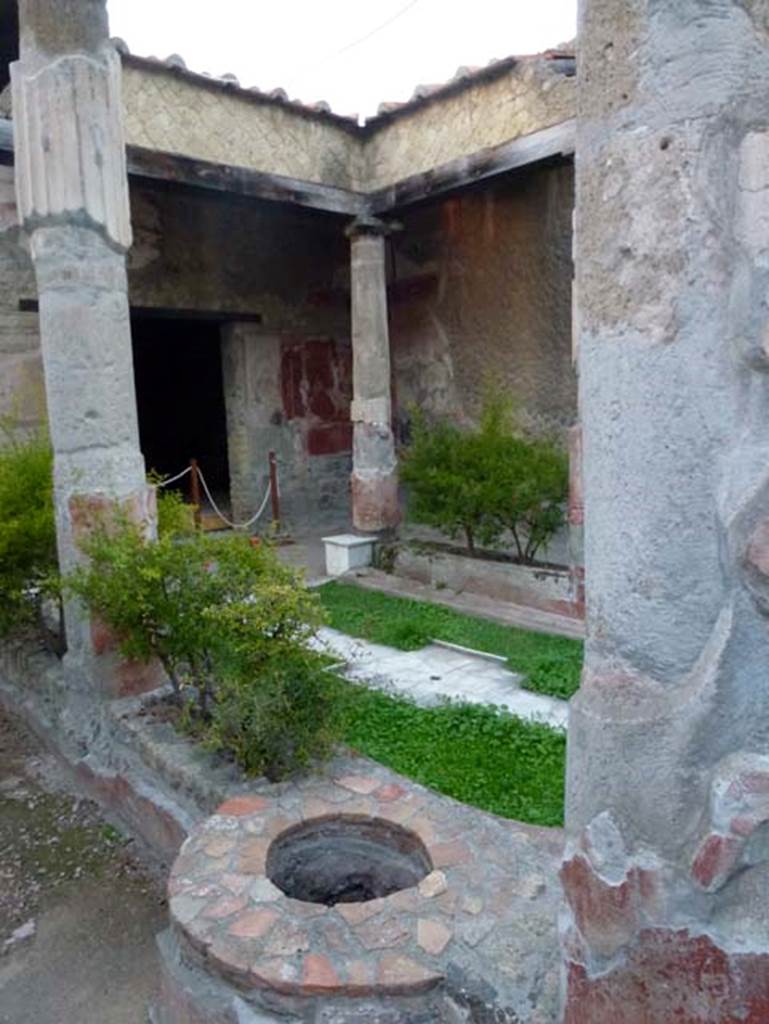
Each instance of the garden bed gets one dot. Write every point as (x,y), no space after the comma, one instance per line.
(478,755)
(158,784)
(548,587)
(549,664)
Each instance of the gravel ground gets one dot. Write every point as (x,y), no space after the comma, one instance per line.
(78,910)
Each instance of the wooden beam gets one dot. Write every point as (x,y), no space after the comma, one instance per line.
(219,316)
(153,165)
(150,164)
(547,144)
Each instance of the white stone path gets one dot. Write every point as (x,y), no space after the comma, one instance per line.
(438,671)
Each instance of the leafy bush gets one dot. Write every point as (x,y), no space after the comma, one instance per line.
(278,725)
(450,481)
(230,624)
(175,515)
(27,530)
(28,558)
(528,481)
(482,482)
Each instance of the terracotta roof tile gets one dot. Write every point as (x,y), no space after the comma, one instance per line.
(562,58)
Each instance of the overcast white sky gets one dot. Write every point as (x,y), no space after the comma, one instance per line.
(352,53)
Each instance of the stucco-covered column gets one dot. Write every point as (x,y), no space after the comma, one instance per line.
(667,860)
(375,468)
(575,518)
(72,198)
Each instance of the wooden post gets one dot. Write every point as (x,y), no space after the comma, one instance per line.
(274,496)
(195,491)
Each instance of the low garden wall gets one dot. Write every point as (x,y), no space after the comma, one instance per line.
(549,588)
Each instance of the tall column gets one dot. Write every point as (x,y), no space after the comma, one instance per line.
(575,518)
(666,867)
(375,468)
(72,197)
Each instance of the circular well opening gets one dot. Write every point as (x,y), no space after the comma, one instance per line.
(346,860)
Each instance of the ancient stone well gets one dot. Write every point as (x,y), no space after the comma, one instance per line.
(355,898)
(346,859)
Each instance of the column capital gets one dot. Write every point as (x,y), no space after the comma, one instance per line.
(70,150)
(50,28)
(367,224)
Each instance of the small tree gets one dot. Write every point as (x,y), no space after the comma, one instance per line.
(488,480)
(531,489)
(448,474)
(230,625)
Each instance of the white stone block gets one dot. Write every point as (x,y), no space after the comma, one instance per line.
(347,551)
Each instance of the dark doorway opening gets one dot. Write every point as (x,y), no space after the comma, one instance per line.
(180,397)
(9,39)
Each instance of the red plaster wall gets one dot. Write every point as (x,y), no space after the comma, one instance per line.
(316,386)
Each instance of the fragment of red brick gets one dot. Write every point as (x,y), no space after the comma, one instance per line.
(319,975)
(238,806)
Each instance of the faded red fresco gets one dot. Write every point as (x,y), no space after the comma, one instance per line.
(316,385)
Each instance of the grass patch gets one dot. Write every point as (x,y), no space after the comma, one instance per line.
(479,755)
(550,664)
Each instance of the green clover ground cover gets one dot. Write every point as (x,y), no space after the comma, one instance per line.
(550,664)
(479,755)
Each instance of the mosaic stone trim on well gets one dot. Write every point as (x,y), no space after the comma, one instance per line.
(228,915)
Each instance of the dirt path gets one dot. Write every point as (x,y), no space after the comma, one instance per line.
(78,910)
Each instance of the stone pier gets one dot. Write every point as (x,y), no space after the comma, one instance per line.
(72,198)
(375,470)
(667,860)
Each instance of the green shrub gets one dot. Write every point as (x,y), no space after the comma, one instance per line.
(528,480)
(485,481)
(289,718)
(27,531)
(449,478)
(230,624)
(175,517)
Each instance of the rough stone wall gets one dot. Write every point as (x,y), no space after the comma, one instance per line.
(481,288)
(173,113)
(288,268)
(482,292)
(193,252)
(196,252)
(531,96)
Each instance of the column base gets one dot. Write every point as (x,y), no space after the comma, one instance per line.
(375,504)
(93,647)
(670,975)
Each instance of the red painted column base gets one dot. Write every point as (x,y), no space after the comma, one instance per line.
(375,502)
(672,977)
(113,675)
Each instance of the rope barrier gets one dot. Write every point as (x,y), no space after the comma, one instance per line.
(214,506)
(173,479)
(224,519)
